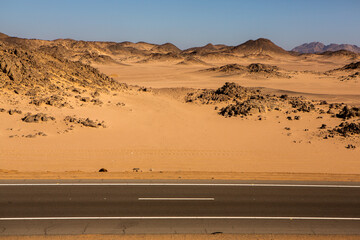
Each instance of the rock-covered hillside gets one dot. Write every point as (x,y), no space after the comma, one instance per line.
(34,70)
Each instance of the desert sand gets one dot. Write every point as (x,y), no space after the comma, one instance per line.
(122,106)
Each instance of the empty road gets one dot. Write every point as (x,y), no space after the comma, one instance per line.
(113,207)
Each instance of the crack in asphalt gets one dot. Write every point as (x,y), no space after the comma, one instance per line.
(85,228)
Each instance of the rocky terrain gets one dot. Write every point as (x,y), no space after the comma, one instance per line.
(34,70)
(257,69)
(351,71)
(34,80)
(234,100)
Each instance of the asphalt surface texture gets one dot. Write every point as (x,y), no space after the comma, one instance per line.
(123,207)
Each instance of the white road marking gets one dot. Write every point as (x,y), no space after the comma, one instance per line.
(185,184)
(176,199)
(182,217)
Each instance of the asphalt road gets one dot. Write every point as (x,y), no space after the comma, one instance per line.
(178,207)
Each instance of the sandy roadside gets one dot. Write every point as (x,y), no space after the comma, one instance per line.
(182,175)
(188,237)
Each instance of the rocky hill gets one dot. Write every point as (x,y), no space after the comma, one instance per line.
(166,48)
(260,46)
(318,47)
(34,71)
(208,48)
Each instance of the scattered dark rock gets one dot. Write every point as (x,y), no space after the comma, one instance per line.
(229,68)
(54,100)
(350,77)
(323,102)
(323,126)
(244,108)
(39,117)
(13,111)
(254,68)
(302,105)
(351,66)
(84,122)
(335,106)
(89,123)
(258,67)
(229,91)
(103,170)
(346,129)
(35,135)
(246,101)
(350,146)
(348,112)
(96,101)
(76,90)
(120,104)
(30,136)
(95,94)
(144,89)
(85,99)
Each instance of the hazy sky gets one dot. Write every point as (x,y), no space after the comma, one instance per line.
(186,23)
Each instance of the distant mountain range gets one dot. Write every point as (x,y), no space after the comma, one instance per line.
(318,47)
(98,52)
(142,52)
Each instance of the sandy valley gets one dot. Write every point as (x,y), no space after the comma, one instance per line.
(70,105)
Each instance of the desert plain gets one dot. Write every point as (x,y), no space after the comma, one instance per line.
(77,106)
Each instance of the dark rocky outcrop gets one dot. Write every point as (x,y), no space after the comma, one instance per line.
(228,92)
(348,112)
(86,122)
(347,129)
(302,105)
(35,118)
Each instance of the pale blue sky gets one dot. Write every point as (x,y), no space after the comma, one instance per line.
(186,23)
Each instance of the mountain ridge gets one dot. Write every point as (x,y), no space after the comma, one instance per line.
(126,52)
(318,47)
